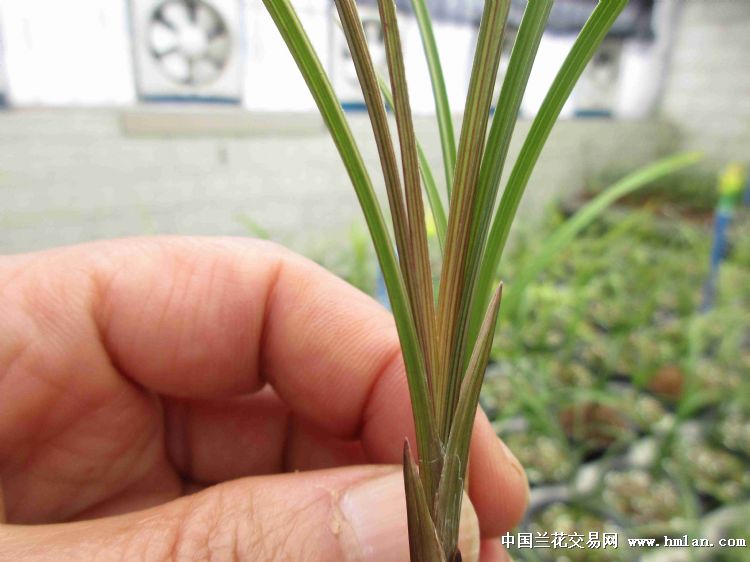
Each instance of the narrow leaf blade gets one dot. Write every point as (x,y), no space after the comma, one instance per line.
(420,274)
(442,107)
(431,189)
(365,69)
(591,36)
(503,124)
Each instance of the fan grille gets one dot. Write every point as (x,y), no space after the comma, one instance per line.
(189,40)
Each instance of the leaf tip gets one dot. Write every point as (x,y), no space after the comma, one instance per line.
(407,452)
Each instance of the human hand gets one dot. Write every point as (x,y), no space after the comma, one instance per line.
(196,399)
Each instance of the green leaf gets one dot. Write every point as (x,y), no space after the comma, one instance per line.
(452,307)
(442,107)
(564,234)
(424,544)
(351,24)
(420,274)
(503,123)
(591,36)
(436,202)
(450,490)
(299,45)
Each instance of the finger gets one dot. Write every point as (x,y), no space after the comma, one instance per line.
(214,440)
(187,318)
(223,439)
(497,482)
(309,448)
(353,514)
(205,317)
(2,504)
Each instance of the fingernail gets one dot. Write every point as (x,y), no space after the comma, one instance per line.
(375,511)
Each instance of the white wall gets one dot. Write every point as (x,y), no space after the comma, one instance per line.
(272,80)
(707,92)
(552,52)
(72,52)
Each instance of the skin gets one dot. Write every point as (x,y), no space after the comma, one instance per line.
(142,379)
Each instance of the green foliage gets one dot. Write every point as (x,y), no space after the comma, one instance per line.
(433,196)
(610,330)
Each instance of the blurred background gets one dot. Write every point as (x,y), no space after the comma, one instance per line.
(621,372)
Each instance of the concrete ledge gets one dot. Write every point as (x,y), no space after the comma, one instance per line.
(213,121)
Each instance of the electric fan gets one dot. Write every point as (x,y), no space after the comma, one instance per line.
(188,51)
(189,41)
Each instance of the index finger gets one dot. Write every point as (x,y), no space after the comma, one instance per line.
(207,317)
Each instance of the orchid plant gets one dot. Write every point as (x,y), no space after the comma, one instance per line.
(445,340)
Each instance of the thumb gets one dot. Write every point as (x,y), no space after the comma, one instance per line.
(349,514)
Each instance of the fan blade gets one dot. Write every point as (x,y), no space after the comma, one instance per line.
(176,15)
(162,38)
(178,66)
(207,19)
